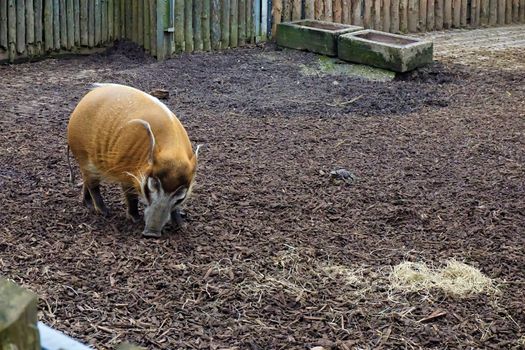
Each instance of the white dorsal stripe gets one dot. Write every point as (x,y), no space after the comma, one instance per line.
(152,98)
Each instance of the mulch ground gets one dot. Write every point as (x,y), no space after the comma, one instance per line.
(276,255)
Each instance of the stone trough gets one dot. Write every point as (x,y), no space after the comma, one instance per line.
(398,53)
(311,35)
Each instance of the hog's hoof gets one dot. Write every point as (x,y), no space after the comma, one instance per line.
(151,234)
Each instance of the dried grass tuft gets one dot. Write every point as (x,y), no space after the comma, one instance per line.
(456,278)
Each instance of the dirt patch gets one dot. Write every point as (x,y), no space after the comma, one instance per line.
(276,255)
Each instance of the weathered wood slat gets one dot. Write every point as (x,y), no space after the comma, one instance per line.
(501,11)
(403,16)
(139,22)
(234,23)
(474,21)
(493,12)
(206,25)
(63,24)
(98,22)
(153,26)
(337,8)
(296,10)
(48,25)
(197,25)
(508,12)
(386,15)
(367,15)
(242,22)
(134,16)
(124,18)
(484,13)
(128,8)
(215,24)
(56,24)
(84,16)
(463,18)
(522,11)
(249,21)
(111,19)
(265,19)
(328,11)
(3,24)
(422,15)
(70,24)
(91,23)
(11,23)
(76,16)
(287,10)
(431,23)
(104,21)
(30,27)
(179,26)
(257,19)
(225,23)
(456,13)
(161,23)
(188,25)
(447,14)
(378,23)
(394,19)
(357,15)
(515,11)
(439,15)
(309,9)
(347,11)
(117,19)
(21,26)
(147,25)
(413,15)
(39,25)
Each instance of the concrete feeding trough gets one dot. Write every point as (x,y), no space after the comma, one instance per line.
(315,36)
(398,53)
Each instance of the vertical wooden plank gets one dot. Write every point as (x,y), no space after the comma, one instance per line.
(515,11)
(438,17)
(309,9)
(30,27)
(234,23)
(463,18)
(104,21)
(3,24)
(197,25)
(484,13)
(422,15)
(367,16)
(153,26)
(266,10)
(179,26)
(134,23)
(318,9)
(225,24)
(394,12)
(11,30)
(98,22)
(76,20)
(337,8)
(70,24)
(522,11)
(256,19)
(56,24)
(249,21)
(124,18)
(39,21)
(473,13)
(92,21)
(242,22)
(328,10)
(447,14)
(501,11)
(287,10)
(413,15)
(21,26)
(296,10)
(111,19)
(63,24)
(431,23)
(493,12)
(456,13)
(188,25)
(378,23)
(403,16)
(84,31)
(216,24)
(139,22)
(357,12)
(147,25)
(386,14)
(346,9)
(206,32)
(162,17)
(129,19)
(48,25)
(508,12)
(117,18)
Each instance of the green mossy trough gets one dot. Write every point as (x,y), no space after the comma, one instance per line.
(315,36)
(398,53)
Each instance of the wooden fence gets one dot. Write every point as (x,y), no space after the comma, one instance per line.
(402,16)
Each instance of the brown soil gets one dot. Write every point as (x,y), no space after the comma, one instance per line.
(267,257)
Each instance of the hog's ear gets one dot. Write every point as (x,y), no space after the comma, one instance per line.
(153,184)
(179,195)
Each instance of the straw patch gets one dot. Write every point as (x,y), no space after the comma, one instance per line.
(456,278)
